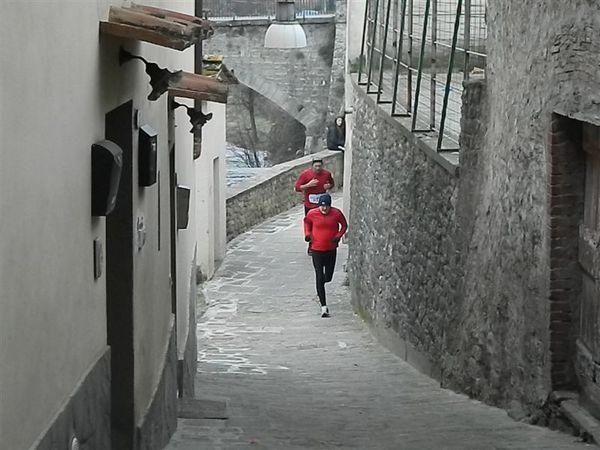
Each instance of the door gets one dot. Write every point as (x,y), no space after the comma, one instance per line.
(119,283)
(216,225)
(589,239)
(173,220)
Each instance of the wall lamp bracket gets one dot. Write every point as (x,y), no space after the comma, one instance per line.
(197,118)
(160,79)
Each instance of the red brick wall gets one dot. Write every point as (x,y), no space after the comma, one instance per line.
(566,173)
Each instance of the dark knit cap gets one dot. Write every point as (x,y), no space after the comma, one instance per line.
(325,200)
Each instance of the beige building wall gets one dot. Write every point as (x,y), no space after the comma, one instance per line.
(210,192)
(186,238)
(56,86)
(354,24)
(152,290)
(52,312)
(355,20)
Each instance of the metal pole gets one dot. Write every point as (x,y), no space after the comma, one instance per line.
(420,70)
(411,29)
(449,76)
(373,43)
(395,19)
(362,47)
(467,43)
(399,60)
(383,49)
(198,58)
(433,84)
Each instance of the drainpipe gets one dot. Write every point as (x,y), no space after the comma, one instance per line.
(198,12)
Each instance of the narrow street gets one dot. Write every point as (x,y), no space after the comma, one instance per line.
(295,381)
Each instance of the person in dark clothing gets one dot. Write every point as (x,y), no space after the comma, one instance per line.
(336,135)
(323,228)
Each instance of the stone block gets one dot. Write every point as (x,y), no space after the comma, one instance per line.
(86,416)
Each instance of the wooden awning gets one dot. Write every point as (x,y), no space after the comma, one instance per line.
(199,87)
(158,26)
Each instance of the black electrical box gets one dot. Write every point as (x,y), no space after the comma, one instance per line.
(183,206)
(147,151)
(107,164)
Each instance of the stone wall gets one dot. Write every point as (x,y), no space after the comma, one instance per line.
(253,202)
(479,273)
(255,122)
(86,415)
(402,260)
(507,348)
(298,80)
(338,64)
(160,419)
(187,367)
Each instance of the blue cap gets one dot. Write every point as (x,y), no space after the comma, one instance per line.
(325,200)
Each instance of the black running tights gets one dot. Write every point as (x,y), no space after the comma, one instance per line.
(324,263)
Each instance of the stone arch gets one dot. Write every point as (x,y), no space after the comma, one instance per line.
(309,117)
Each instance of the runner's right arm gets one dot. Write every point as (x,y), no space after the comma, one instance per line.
(303,183)
(308,225)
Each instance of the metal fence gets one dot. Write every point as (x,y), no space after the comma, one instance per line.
(227,9)
(415,55)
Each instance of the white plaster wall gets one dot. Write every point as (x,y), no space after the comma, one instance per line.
(354,24)
(57,85)
(152,293)
(210,229)
(349,146)
(152,303)
(52,312)
(355,20)
(186,238)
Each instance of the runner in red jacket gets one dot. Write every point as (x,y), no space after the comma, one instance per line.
(323,228)
(313,183)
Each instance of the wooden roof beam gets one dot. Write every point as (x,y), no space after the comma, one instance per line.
(199,87)
(158,26)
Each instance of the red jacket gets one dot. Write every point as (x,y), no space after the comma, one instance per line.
(324,228)
(324,177)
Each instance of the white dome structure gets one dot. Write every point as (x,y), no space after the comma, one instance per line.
(285,35)
(285,32)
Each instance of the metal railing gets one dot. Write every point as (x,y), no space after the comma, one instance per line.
(228,9)
(415,55)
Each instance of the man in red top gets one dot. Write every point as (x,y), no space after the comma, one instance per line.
(323,228)
(313,183)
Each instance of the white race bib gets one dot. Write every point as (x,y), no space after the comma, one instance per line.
(314,198)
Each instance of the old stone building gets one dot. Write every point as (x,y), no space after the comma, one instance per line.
(482,269)
(285,99)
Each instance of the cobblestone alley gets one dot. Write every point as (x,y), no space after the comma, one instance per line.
(295,381)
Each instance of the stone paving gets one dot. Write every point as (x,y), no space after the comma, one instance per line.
(293,380)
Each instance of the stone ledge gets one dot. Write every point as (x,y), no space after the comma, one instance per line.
(424,141)
(399,347)
(203,408)
(585,424)
(272,192)
(264,21)
(279,169)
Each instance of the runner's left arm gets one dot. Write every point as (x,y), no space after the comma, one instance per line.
(342,224)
